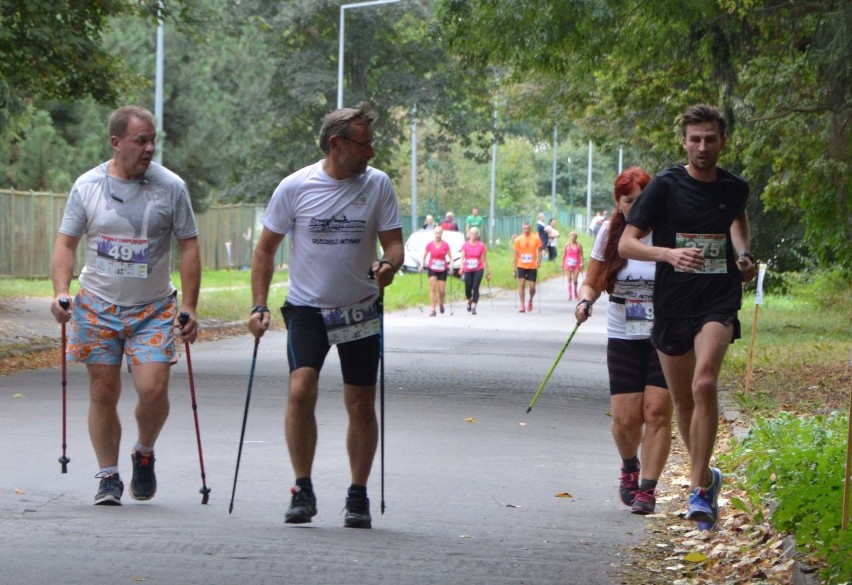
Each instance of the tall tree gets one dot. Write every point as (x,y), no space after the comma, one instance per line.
(780,71)
(53,50)
(390,60)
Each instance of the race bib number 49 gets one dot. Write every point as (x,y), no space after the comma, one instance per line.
(713,247)
(352,322)
(122,256)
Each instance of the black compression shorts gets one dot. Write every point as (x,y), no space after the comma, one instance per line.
(307,347)
(675,336)
(633,364)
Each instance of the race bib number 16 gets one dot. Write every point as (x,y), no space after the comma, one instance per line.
(352,322)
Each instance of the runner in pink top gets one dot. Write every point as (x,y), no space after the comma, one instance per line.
(440,260)
(572,263)
(474,263)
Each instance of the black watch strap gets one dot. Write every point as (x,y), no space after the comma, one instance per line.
(259,309)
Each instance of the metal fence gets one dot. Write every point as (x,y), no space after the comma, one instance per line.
(227,233)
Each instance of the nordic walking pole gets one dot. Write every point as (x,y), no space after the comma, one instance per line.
(183,318)
(381,307)
(64,460)
(245,417)
(490,292)
(553,367)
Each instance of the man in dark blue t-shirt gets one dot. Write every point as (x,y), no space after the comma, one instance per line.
(701,246)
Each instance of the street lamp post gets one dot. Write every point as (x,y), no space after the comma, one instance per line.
(340,40)
(571,196)
(158,87)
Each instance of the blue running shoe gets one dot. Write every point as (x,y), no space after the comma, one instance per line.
(704,503)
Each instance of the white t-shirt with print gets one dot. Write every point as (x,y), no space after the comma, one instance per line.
(635,281)
(128,227)
(333,227)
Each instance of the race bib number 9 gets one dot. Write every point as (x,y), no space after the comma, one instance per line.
(640,316)
(122,256)
(439,265)
(714,248)
(471,263)
(356,321)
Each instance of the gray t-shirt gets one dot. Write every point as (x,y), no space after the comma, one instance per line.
(128,227)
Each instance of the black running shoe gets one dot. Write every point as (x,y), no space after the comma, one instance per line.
(109,491)
(645,501)
(143,486)
(357,511)
(628,485)
(303,506)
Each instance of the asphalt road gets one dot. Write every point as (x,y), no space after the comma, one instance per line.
(471,480)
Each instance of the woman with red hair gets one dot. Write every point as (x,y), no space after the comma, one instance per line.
(641,405)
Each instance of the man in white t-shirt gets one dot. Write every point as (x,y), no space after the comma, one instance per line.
(129,209)
(335,211)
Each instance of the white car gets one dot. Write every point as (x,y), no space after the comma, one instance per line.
(416,244)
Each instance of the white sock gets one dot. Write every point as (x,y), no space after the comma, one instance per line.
(107,471)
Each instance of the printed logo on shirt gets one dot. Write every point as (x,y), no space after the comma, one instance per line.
(335,224)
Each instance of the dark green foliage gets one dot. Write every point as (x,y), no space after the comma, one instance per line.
(798,463)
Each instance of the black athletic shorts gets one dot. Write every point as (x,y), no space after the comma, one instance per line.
(676,336)
(633,364)
(529,274)
(442,275)
(307,346)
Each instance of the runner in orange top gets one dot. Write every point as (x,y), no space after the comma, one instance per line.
(527,260)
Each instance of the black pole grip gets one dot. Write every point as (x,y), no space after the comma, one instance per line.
(65,303)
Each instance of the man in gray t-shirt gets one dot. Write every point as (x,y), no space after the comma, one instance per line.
(128,208)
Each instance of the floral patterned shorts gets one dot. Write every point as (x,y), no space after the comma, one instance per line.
(100,332)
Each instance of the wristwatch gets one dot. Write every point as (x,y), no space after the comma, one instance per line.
(259,309)
(747,255)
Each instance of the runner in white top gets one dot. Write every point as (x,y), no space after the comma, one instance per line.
(336,211)
(641,406)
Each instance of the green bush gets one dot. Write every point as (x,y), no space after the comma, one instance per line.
(798,464)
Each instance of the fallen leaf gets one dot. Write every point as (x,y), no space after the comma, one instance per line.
(523,424)
(564,495)
(471,420)
(695,557)
(19,492)
(17,395)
